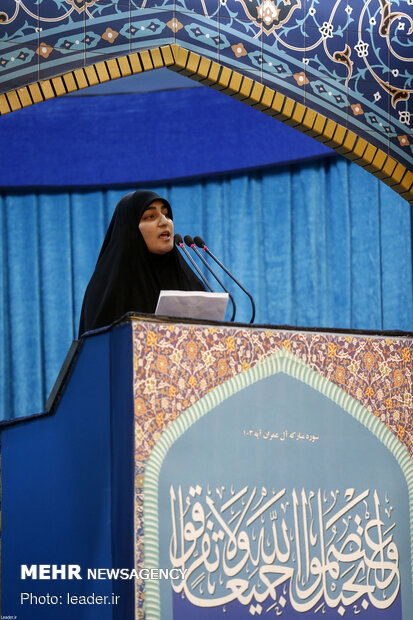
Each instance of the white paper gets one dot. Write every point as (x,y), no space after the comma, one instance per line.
(192,305)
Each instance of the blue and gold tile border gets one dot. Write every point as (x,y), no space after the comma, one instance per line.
(230,82)
(342,68)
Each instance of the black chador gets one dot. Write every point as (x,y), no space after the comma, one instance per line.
(127,277)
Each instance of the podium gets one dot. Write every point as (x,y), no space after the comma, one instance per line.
(189,470)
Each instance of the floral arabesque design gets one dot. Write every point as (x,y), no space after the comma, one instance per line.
(270,14)
(349,56)
(175,365)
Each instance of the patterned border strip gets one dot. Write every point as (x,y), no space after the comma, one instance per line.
(282,361)
(215,75)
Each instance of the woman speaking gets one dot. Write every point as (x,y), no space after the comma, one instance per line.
(137,260)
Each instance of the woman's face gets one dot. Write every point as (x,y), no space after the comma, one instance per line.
(157,228)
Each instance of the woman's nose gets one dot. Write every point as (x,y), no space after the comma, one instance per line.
(163,219)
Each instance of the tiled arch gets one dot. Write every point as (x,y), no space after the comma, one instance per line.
(215,75)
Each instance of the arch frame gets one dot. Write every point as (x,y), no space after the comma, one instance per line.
(280,362)
(232,83)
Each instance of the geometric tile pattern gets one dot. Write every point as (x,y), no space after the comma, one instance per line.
(347,60)
(176,365)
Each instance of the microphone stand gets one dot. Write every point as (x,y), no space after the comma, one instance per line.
(180,243)
(190,243)
(201,244)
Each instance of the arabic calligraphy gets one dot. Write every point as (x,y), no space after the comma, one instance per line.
(285,434)
(269,546)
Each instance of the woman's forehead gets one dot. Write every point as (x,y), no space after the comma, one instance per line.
(157,204)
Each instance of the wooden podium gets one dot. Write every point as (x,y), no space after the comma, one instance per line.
(189,470)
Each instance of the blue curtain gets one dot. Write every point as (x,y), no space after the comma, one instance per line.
(322,244)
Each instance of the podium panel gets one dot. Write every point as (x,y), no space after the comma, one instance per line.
(274,468)
(195,470)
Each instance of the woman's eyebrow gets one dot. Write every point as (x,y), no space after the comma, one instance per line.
(151,208)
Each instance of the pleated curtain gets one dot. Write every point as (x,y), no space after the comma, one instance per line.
(321,244)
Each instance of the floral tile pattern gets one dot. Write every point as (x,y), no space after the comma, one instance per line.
(330,54)
(205,32)
(241,47)
(175,365)
(16,58)
(208,9)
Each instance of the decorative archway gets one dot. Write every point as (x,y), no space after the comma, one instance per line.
(335,72)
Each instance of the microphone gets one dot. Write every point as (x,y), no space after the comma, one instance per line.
(201,244)
(180,243)
(190,243)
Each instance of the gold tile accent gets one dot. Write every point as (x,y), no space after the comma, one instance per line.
(180,56)
(59,87)
(287,110)
(235,82)
(102,72)
(80,77)
(4,105)
(348,144)
(267,100)
(256,95)
(70,82)
(156,57)
(113,69)
(47,90)
(388,169)
(135,63)
(298,114)
(406,183)
(13,99)
(226,78)
(223,79)
(246,88)
(124,66)
(338,137)
(192,64)
(358,150)
(24,96)
(368,156)
(35,92)
(308,122)
(328,132)
(91,75)
(276,109)
(146,60)
(167,55)
(318,127)
(397,175)
(378,162)
(203,69)
(212,74)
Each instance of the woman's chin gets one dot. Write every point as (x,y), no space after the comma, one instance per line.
(162,248)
